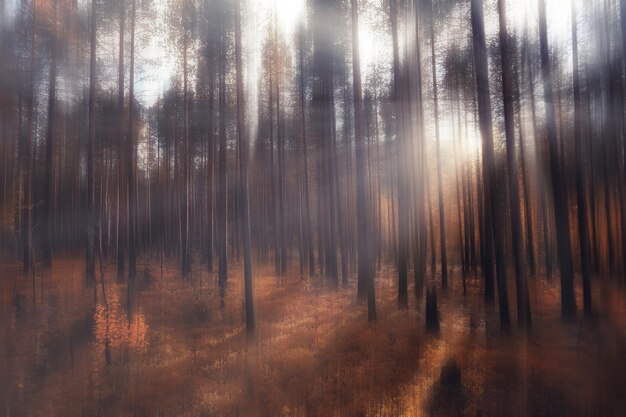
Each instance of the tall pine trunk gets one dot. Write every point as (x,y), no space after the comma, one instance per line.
(121,179)
(47,226)
(242,146)
(492,211)
(559,190)
(131,163)
(583,231)
(91,215)
(222,190)
(523,302)
(364,235)
(442,212)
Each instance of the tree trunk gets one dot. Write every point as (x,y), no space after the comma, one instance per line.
(559,190)
(47,226)
(210,156)
(403,214)
(307,204)
(365,267)
(523,302)
(132,181)
(121,179)
(583,231)
(419,252)
(91,215)
(27,159)
(493,213)
(243,177)
(442,216)
(186,249)
(222,190)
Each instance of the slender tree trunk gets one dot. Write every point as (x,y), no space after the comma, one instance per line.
(210,158)
(91,194)
(442,217)
(243,178)
(523,302)
(583,231)
(47,226)
(307,204)
(186,255)
(27,159)
(559,190)
(222,190)
(403,215)
(132,181)
(121,179)
(365,267)
(530,247)
(332,271)
(486,209)
(281,161)
(494,223)
(419,261)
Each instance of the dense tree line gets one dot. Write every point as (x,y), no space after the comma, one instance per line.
(455,152)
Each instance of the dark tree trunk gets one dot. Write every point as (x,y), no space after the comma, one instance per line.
(583,231)
(559,190)
(305,163)
(403,195)
(91,195)
(186,240)
(493,213)
(442,212)
(364,235)
(523,302)
(419,251)
(26,161)
(222,190)
(242,146)
(47,226)
(211,152)
(122,213)
(132,181)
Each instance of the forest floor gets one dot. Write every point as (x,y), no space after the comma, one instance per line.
(168,348)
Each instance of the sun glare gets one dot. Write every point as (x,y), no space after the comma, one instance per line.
(290,13)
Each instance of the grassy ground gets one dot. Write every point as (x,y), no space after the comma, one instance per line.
(168,348)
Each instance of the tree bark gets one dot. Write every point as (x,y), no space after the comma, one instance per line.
(91,215)
(365,267)
(559,190)
(47,226)
(132,181)
(442,212)
(493,213)
(243,178)
(583,231)
(523,302)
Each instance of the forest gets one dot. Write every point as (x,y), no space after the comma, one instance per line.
(312,208)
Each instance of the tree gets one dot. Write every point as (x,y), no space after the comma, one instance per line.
(523,302)
(492,213)
(131,159)
(364,235)
(121,209)
(221,185)
(559,190)
(583,231)
(442,218)
(242,147)
(26,158)
(403,214)
(91,215)
(305,157)
(47,223)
